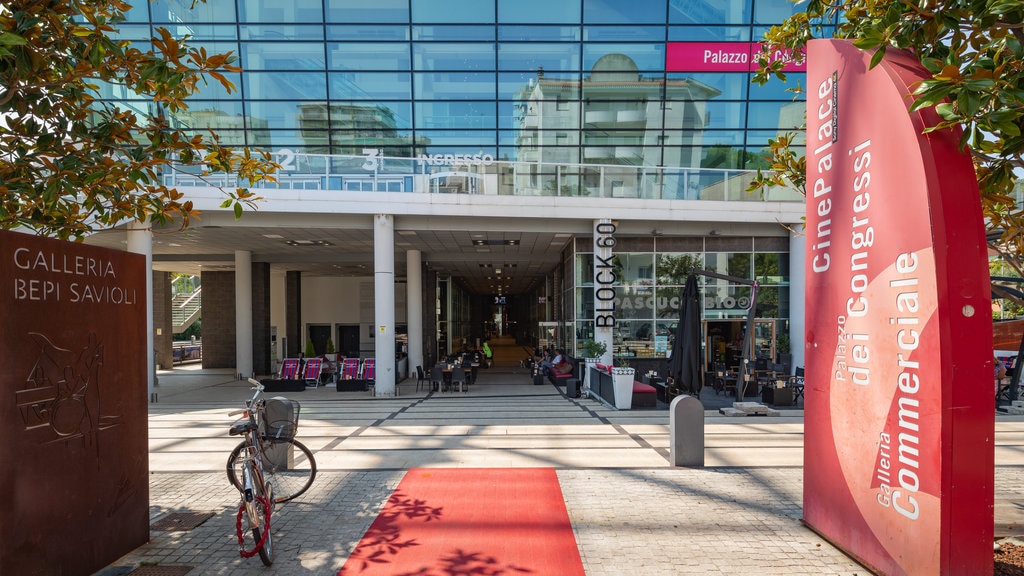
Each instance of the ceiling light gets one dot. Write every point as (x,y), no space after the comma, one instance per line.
(273,236)
(308,243)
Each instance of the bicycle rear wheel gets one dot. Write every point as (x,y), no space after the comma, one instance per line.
(289,466)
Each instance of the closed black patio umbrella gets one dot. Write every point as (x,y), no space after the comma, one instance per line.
(685,364)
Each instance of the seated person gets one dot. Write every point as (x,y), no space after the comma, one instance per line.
(546,364)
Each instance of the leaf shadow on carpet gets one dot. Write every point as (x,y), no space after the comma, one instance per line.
(383,540)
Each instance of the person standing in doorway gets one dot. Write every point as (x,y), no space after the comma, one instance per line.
(488,354)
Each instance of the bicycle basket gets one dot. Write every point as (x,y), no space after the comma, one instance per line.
(280,419)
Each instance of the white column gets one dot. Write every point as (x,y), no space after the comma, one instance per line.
(243,313)
(414,307)
(797,294)
(140,241)
(384,303)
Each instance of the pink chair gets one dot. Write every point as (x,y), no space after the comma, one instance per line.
(369,373)
(350,369)
(289,369)
(311,374)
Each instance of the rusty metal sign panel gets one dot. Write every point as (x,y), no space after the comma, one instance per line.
(73,482)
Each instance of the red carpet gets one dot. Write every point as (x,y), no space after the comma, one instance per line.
(445,522)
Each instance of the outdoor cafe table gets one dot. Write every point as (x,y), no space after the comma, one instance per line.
(446,371)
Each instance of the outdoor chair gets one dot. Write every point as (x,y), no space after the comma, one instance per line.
(311,373)
(421,378)
(459,379)
(350,369)
(289,369)
(370,373)
(437,378)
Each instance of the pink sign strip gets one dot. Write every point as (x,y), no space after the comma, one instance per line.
(719,57)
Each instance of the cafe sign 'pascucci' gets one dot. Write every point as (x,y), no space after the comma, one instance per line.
(898,462)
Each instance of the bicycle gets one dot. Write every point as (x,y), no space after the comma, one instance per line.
(265,463)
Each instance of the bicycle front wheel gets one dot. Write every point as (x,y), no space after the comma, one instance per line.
(289,466)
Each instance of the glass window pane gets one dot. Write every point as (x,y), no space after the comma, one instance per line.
(141,33)
(275,11)
(667,306)
(367,33)
(725,300)
(371,85)
(618,12)
(624,33)
(424,146)
(637,57)
(447,11)
(451,56)
(776,89)
(456,114)
(549,87)
(281,32)
(454,85)
(285,86)
(282,56)
(539,33)
(193,31)
(673,268)
(456,138)
(710,34)
(771,268)
(363,115)
(704,12)
(368,56)
(276,139)
(182,11)
(539,56)
(370,11)
(708,85)
(539,11)
(227,137)
(277,115)
(781,115)
(453,32)
(773,302)
(774,11)
(210,115)
(739,264)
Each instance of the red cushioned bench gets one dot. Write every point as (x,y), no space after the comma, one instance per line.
(644,395)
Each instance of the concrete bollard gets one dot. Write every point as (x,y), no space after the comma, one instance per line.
(686,431)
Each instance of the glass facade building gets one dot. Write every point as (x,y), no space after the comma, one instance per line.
(559,88)
(573,81)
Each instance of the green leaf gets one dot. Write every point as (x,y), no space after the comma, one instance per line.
(9,39)
(238,210)
(877,57)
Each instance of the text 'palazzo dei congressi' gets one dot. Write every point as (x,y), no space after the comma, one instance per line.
(547,89)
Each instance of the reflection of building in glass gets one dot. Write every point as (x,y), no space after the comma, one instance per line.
(624,116)
(346,128)
(230,128)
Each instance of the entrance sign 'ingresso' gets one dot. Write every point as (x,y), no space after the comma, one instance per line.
(898,457)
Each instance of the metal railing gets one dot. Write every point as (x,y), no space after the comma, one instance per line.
(480,174)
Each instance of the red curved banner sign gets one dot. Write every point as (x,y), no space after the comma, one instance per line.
(898,457)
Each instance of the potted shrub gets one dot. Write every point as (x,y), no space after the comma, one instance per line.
(332,353)
(623,376)
(310,350)
(593,351)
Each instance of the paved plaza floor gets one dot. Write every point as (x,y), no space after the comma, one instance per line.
(631,511)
